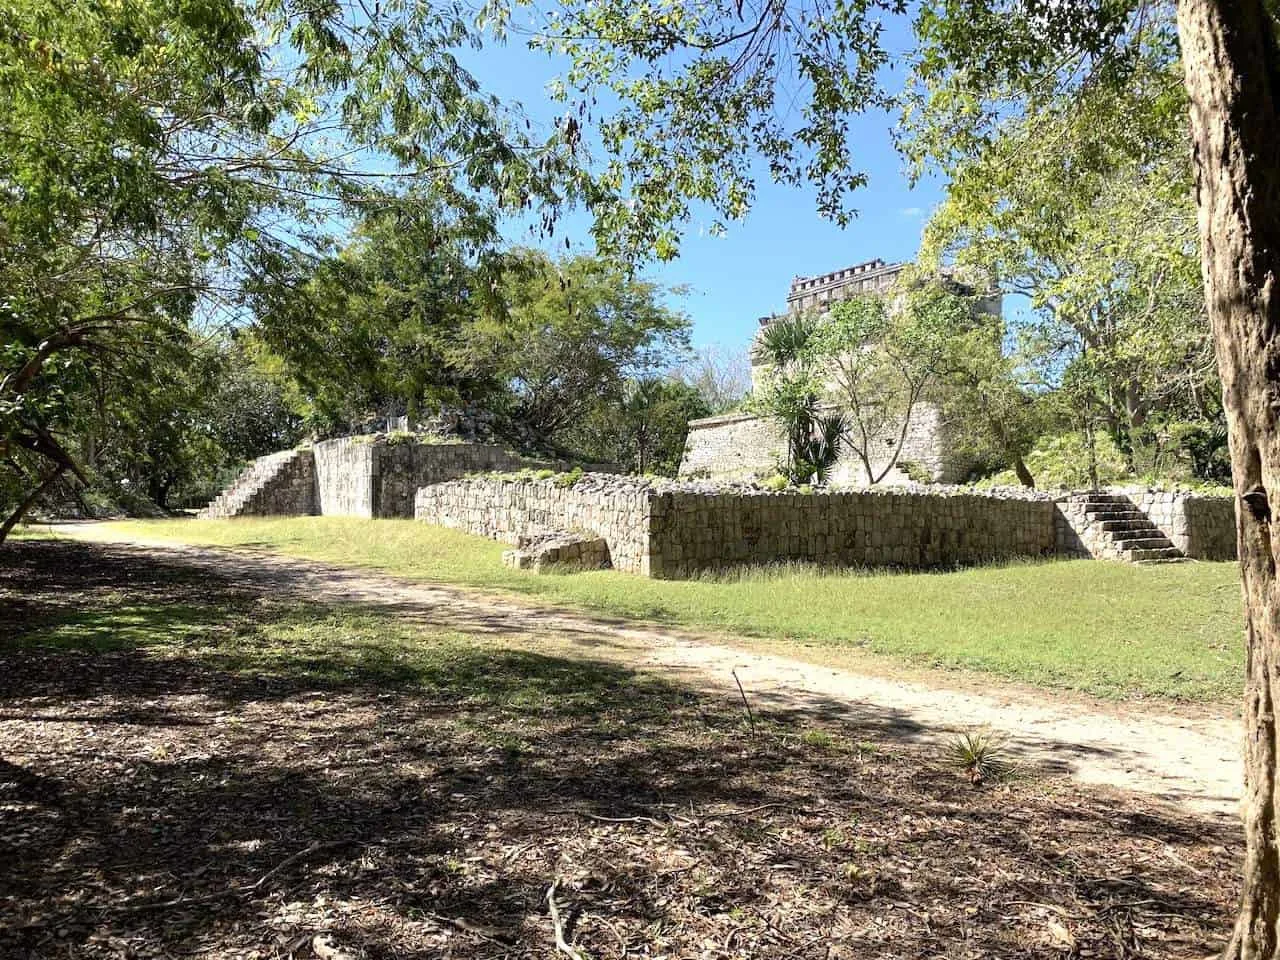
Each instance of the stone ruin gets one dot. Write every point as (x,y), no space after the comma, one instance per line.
(741,446)
(672,528)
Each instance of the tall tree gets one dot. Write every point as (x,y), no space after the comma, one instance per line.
(1084,208)
(881,357)
(376,329)
(1232,59)
(571,335)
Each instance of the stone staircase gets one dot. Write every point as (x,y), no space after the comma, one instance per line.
(1111,526)
(278,483)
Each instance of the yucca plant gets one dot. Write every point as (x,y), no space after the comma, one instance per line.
(980,755)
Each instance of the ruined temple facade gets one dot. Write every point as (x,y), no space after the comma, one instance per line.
(741,446)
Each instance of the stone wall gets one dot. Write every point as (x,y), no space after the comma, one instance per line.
(671,530)
(737,446)
(519,511)
(291,491)
(344,477)
(1200,526)
(742,447)
(378,477)
(692,531)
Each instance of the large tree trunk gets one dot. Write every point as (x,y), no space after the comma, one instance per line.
(1230,55)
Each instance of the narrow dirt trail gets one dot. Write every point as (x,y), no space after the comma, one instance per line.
(1191,760)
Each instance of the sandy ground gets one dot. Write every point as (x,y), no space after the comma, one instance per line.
(1191,758)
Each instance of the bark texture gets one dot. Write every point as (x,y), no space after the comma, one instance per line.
(1230,58)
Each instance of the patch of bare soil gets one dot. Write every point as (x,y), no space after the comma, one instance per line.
(163,800)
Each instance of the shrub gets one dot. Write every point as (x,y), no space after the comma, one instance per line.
(570,478)
(915,472)
(777,482)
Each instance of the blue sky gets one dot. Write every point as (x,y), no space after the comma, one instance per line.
(736,278)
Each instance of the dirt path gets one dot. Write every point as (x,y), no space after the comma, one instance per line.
(1190,760)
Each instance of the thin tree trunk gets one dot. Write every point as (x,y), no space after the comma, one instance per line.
(16,516)
(1024,474)
(1230,56)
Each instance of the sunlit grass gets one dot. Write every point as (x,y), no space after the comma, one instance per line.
(1108,629)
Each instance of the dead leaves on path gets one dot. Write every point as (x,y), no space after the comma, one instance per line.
(165,806)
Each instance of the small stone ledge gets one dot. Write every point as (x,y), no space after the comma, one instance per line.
(564,550)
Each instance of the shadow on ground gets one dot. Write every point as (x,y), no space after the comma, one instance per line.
(196,765)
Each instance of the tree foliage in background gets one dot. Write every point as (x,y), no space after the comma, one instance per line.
(722,377)
(646,432)
(879,357)
(570,336)
(158,154)
(378,328)
(1081,202)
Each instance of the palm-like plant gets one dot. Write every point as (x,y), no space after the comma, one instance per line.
(814,435)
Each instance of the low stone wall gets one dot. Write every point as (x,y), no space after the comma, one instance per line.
(671,530)
(378,477)
(515,511)
(1200,526)
(692,531)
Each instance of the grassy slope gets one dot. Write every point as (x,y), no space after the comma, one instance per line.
(1107,629)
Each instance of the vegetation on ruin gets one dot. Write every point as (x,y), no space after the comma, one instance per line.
(1111,630)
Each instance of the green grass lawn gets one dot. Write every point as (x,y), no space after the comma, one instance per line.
(1108,629)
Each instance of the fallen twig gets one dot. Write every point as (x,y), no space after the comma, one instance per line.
(636,819)
(724,815)
(561,944)
(232,891)
(750,715)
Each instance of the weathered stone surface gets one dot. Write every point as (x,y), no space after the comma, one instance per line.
(741,447)
(1196,526)
(375,476)
(279,484)
(672,529)
(1202,527)
(565,550)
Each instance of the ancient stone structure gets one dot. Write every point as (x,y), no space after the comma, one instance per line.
(278,484)
(378,476)
(673,529)
(669,529)
(1110,526)
(1201,527)
(367,476)
(816,293)
(737,446)
(741,446)
(518,510)
(565,550)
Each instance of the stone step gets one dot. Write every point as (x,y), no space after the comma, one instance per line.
(1154,553)
(1136,523)
(1117,513)
(1157,542)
